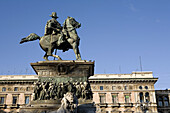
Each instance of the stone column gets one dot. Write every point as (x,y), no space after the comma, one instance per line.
(144,97)
(154,97)
(169,97)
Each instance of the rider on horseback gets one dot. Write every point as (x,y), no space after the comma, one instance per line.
(53,26)
(58,37)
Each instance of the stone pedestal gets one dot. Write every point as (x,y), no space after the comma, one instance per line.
(61,72)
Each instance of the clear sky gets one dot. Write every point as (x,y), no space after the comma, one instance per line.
(114,33)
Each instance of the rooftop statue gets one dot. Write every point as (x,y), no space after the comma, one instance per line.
(58,37)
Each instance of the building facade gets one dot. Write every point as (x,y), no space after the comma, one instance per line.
(124,93)
(15,91)
(112,93)
(163,100)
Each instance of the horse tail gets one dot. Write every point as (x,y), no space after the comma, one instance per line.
(31,37)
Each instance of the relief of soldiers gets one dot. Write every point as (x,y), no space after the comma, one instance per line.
(74,87)
(43,91)
(69,86)
(78,90)
(54,92)
(52,89)
(64,89)
(48,90)
(36,91)
(82,90)
(87,94)
(59,90)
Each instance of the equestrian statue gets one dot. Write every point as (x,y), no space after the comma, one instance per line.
(58,37)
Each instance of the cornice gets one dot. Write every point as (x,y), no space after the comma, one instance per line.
(122,80)
(18,81)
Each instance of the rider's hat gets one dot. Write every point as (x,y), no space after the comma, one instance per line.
(54,15)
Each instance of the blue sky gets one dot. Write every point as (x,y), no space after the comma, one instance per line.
(114,34)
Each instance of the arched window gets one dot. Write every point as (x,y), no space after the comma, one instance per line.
(146,87)
(3,89)
(141,97)
(166,101)
(140,87)
(147,97)
(160,101)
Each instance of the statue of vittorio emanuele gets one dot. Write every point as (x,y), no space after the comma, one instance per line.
(57,37)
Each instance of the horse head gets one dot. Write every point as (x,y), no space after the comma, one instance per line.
(70,22)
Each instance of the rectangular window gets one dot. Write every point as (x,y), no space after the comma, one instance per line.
(166,103)
(114,99)
(127,99)
(101,87)
(27,99)
(160,103)
(102,99)
(14,100)
(28,89)
(15,88)
(113,87)
(2,100)
(125,87)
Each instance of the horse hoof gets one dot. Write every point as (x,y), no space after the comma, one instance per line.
(79,59)
(59,59)
(45,58)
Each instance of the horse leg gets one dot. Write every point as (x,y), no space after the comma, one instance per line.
(56,56)
(76,51)
(46,57)
(74,43)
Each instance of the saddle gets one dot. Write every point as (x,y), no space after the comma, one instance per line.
(55,39)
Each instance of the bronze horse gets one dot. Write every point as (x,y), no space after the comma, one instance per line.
(67,39)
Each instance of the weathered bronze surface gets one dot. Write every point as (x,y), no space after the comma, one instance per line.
(58,37)
(54,91)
